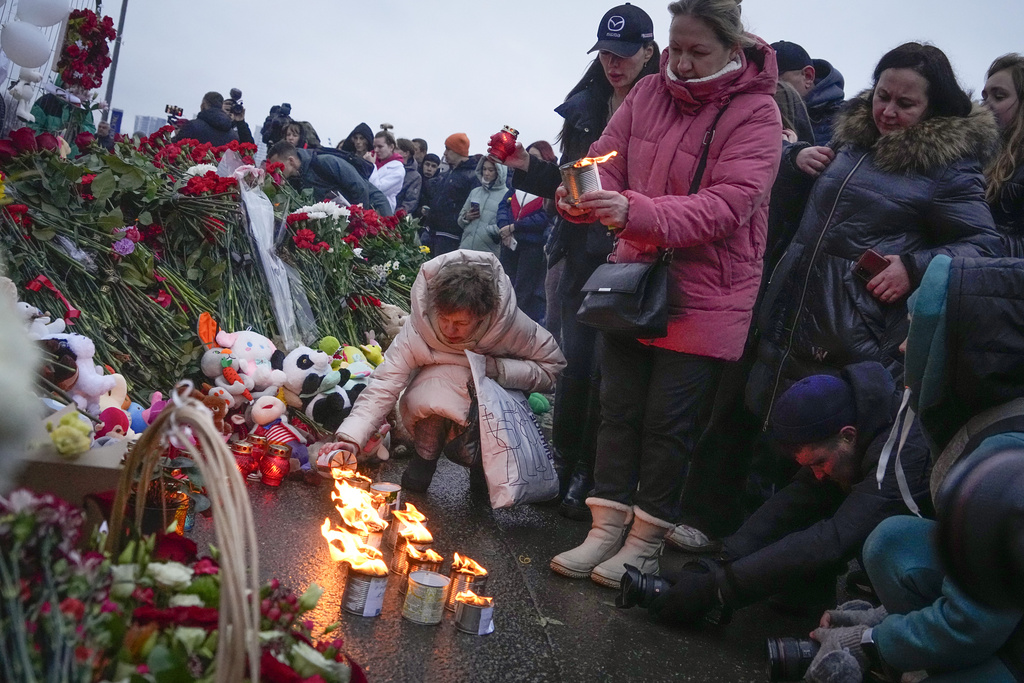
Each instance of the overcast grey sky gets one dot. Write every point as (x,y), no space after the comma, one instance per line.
(441,66)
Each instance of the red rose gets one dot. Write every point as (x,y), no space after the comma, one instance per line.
(24,140)
(206,566)
(202,617)
(73,608)
(48,142)
(7,151)
(84,140)
(175,548)
(273,671)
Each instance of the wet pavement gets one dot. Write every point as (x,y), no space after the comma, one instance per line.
(547,628)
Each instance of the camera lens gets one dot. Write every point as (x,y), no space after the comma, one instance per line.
(789,658)
(639,589)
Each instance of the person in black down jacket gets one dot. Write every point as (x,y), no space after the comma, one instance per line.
(906,182)
(624,57)
(835,428)
(328,175)
(448,193)
(1003,93)
(211,124)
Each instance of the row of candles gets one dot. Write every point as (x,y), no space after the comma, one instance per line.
(272,460)
(373,516)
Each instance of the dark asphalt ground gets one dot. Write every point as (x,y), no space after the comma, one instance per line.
(547,628)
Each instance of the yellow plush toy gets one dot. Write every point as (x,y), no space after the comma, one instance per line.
(372,350)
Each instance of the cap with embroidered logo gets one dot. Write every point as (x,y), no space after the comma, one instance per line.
(624,30)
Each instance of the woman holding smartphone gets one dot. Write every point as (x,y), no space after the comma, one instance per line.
(902,181)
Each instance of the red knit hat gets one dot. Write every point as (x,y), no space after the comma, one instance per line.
(458,143)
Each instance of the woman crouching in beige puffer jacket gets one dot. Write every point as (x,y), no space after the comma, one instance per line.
(461,301)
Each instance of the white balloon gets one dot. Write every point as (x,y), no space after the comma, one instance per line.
(43,12)
(25,44)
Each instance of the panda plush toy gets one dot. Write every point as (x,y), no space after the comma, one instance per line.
(312,386)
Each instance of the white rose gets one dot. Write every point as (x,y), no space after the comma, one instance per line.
(123,578)
(308,661)
(191,637)
(186,600)
(170,574)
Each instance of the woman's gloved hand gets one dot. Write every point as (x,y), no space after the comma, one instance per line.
(853,613)
(841,658)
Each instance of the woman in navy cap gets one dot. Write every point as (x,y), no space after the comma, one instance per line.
(626,53)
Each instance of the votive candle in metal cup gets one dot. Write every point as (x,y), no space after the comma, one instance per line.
(276,464)
(364,593)
(391,495)
(464,581)
(424,597)
(245,460)
(400,559)
(413,565)
(259,449)
(578,180)
(477,620)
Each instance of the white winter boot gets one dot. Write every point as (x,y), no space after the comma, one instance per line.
(642,548)
(607,532)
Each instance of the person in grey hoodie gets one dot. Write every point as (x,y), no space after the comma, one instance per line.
(479,216)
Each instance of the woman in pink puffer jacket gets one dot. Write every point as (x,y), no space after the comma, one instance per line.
(656,394)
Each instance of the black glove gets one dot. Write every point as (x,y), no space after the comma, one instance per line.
(693,594)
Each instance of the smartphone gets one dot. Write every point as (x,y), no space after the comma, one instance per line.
(870,264)
(475,206)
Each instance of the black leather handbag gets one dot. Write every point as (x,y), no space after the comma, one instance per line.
(631,299)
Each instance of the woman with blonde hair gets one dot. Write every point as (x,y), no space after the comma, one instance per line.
(1004,90)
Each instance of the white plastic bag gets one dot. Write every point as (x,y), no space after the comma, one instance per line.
(517,460)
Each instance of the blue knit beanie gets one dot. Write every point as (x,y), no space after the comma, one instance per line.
(812,410)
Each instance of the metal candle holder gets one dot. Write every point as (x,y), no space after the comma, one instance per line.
(400,559)
(579,180)
(394,531)
(477,620)
(276,464)
(424,599)
(392,495)
(416,566)
(463,581)
(364,593)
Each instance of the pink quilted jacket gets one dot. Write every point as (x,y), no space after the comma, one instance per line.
(718,234)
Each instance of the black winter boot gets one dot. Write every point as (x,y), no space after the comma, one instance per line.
(418,474)
(574,505)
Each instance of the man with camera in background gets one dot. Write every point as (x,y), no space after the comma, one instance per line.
(803,536)
(965,373)
(234,108)
(211,124)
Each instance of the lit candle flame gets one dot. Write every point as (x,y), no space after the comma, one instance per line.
(467,566)
(349,475)
(594,160)
(356,508)
(409,514)
(427,555)
(359,556)
(416,533)
(471,598)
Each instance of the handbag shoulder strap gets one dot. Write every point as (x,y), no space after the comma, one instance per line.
(702,164)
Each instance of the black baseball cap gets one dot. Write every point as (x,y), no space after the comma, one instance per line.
(624,30)
(790,56)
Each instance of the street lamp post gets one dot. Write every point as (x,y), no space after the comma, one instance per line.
(113,60)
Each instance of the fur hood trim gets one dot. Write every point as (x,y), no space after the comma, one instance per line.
(934,143)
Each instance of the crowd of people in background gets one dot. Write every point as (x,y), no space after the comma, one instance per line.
(798,220)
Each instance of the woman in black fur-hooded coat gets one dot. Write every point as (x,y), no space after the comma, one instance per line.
(909,194)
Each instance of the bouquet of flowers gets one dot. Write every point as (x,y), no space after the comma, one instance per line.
(150,614)
(85,55)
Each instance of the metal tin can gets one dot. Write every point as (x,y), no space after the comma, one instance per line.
(364,594)
(400,558)
(477,620)
(391,495)
(372,538)
(579,180)
(424,597)
(462,581)
(416,566)
(394,531)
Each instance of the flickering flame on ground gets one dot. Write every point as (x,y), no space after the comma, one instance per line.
(415,532)
(359,556)
(356,508)
(467,566)
(410,514)
(427,555)
(594,160)
(349,475)
(471,598)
